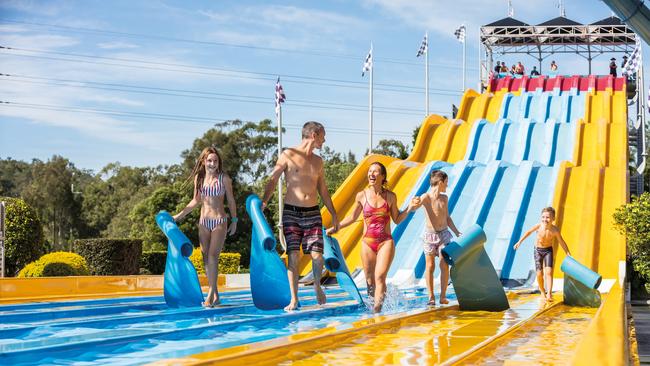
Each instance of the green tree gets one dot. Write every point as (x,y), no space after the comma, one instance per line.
(24,239)
(143,217)
(14,176)
(633,221)
(50,193)
(391,147)
(337,167)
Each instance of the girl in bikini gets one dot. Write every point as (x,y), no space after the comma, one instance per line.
(211,185)
(379,206)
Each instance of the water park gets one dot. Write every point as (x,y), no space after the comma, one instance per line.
(517,145)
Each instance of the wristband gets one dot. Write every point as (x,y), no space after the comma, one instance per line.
(233,219)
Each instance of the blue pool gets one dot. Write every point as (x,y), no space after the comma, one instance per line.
(139,330)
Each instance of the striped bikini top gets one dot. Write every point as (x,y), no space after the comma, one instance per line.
(217,189)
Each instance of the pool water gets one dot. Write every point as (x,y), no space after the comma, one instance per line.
(134,331)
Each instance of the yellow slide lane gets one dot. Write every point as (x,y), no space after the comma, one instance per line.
(589,190)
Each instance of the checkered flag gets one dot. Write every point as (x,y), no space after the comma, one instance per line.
(279,96)
(423,47)
(632,65)
(367,65)
(460,34)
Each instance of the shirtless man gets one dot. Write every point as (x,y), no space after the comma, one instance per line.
(547,234)
(301,219)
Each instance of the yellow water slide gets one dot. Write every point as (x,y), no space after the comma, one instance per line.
(590,188)
(438,139)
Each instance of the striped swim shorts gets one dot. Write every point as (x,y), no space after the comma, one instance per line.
(303,226)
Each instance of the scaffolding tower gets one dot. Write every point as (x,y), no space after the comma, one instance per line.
(565,36)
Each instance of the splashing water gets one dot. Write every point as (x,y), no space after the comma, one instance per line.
(394,301)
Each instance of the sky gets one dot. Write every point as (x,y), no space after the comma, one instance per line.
(136,82)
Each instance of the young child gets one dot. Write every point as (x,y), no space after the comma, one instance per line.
(436,235)
(547,233)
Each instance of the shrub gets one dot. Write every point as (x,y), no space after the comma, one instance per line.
(228,262)
(633,221)
(56,264)
(24,242)
(153,262)
(111,256)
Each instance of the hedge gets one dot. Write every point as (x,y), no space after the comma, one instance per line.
(24,242)
(108,257)
(56,264)
(228,262)
(153,262)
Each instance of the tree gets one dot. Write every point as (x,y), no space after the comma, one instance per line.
(633,221)
(24,239)
(337,167)
(391,147)
(49,192)
(143,217)
(14,175)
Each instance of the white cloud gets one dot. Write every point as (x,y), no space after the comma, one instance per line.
(116,45)
(38,41)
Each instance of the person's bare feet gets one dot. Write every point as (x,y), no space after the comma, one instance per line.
(320,294)
(293,305)
(371,291)
(443,300)
(432,301)
(549,298)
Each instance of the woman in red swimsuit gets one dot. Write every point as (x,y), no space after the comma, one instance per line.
(379,206)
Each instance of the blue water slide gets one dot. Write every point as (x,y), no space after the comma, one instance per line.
(539,106)
(181,286)
(268,275)
(577,107)
(408,233)
(518,265)
(515,205)
(555,108)
(537,140)
(476,137)
(546,153)
(515,144)
(566,138)
(505,103)
(510,106)
(496,140)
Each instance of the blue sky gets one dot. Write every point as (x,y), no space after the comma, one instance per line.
(137,82)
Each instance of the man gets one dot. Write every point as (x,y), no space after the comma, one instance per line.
(534,71)
(612,67)
(301,219)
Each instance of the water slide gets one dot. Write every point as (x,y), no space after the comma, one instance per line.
(439,139)
(525,154)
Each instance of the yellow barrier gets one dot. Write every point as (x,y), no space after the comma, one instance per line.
(14,290)
(605,342)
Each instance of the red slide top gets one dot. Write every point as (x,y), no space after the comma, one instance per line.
(564,83)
